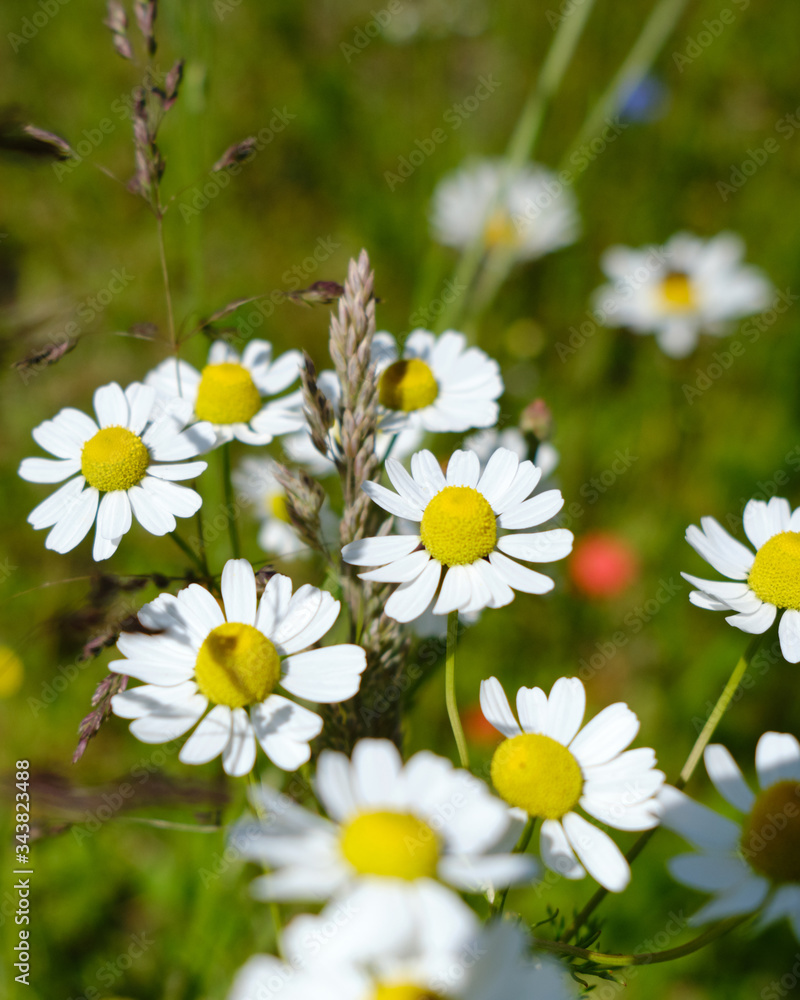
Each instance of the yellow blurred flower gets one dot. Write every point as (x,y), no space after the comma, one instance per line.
(11,672)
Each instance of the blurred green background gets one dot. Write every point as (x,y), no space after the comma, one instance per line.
(126,909)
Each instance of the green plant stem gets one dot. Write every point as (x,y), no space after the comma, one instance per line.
(227,485)
(162,252)
(643,958)
(657,28)
(188,552)
(450,688)
(687,771)
(523,141)
(202,542)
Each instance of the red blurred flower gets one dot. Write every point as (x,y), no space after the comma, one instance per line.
(602,565)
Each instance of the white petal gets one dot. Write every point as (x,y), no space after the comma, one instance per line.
(777,758)
(57,504)
(456,590)
(334,786)
(104,548)
(488,872)
(283,729)
(393,502)
(401,570)
(531,512)
(708,872)
(111,406)
(56,440)
(170,723)
(565,708)
(150,514)
(427,472)
(640,816)
(74,525)
(532,709)
(239,591)
(496,710)
(761,521)
(177,650)
(724,772)
(114,514)
(75,425)
(310,615)
(411,599)
(405,484)
(523,485)
(498,475)
(557,854)
(148,699)
(141,400)
(598,853)
(162,674)
(696,823)
(209,739)
(788,632)
(274,604)
(239,755)
(378,551)
(48,470)
(463,469)
(178,500)
(737,596)
(542,546)
(784,902)
(745,898)
(500,592)
(606,735)
(521,578)
(724,553)
(174,473)
(326,675)
(755,623)
(376,766)
(198,602)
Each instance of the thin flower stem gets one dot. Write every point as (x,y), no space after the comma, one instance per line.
(227,485)
(520,848)
(687,771)
(202,542)
(647,957)
(450,688)
(188,552)
(274,907)
(523,140)
(165,275)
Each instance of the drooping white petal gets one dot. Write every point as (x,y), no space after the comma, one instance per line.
(496,710)
(788,633)
(411,599)
(756,622)
(598,853)
(114,514)
(209,739)
(75,523)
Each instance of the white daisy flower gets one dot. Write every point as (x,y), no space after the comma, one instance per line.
(458,542)
(234,657)
(528,213)
(229,391)
(749,865)
(395,834)
(256,483)
(439,385)
(765,582)
(493,963)
(687,287)
(300,448)
(126,464)
(548,766)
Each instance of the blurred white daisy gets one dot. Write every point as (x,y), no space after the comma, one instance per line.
(458,542)
(766,582)
(749,865)
(396,832)
(493,963)
(440,384)
(527,213)
(301,449)
(548,766)
(687,287)
(234,657)
(256,483)
(229,392)
(123,466)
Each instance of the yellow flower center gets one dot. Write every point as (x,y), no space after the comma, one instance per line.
(227,394)
(771,833)
(537,774)
(276,505)
(404,991)
(11,672)
(500,230)
(237,665)
(458,526)
(392,844)
(775,575)
(407,385)
(114,459)
(677,293)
